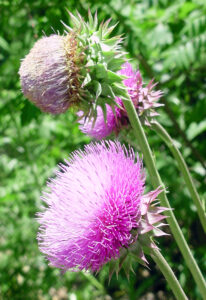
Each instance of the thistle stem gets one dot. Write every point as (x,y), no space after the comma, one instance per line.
(168,274)
(94,281)
(156,182)
(184,169)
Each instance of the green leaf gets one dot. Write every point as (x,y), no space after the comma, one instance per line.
(114,77)
(195,129)
(101,71)
(97,88)
(29,113)
(4,44)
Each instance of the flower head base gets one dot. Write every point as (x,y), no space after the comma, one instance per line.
(96,208)
(144,99)
(78,69)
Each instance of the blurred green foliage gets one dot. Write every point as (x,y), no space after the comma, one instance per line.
(166,40)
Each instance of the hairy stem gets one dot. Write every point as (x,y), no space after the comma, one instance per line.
(156,182)
(184,169)
(168,274)
(171,115)
(142,59)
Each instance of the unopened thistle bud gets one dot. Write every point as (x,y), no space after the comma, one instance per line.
(78,69)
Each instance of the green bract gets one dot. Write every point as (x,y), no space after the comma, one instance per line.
(103,57)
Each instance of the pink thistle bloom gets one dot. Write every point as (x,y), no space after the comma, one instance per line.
(144,98)
(100,129)
(133,82)
(96,208)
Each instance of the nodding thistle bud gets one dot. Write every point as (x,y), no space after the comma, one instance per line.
(77,69)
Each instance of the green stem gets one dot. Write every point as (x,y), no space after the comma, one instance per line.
(94,281)
(184,169)
(168,274)
(156,182)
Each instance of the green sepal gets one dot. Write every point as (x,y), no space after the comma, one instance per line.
(113,267)
(87,80)
(101,71)
(104,109)
(127,266)
(107,90)
(97,88)
(114,64)
(120,91)
(114,77)
(101,58)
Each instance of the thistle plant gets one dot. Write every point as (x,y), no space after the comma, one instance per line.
(156,181)
(78,69)
(145,100)
(144,114)
(96,208)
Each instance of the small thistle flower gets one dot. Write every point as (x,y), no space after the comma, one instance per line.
(106,121)
(78,69)
(144,99)
(100,128)
(96,208)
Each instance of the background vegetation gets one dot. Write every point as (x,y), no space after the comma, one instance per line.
(167,40)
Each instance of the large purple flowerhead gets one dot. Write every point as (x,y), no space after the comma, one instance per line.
(95,208)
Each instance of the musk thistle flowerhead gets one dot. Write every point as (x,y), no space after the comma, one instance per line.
(77,69)
(144,98)
(96,209)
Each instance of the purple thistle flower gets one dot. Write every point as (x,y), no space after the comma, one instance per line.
(144,99)
(96,208)
(100,129)
(133,82)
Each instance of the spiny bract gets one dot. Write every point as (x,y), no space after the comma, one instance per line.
(143,97)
